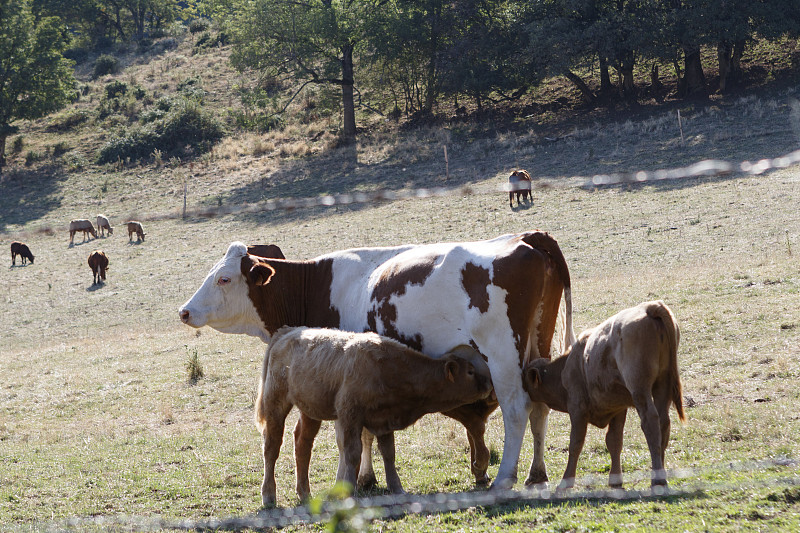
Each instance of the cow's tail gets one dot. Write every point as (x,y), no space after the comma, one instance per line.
(660,311)
(261,398)
(544,242)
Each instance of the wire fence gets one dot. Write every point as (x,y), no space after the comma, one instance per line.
(359,512)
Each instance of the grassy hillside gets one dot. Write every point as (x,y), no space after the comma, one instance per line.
(98,418)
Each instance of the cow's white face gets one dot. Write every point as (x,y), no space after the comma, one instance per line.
(222,301)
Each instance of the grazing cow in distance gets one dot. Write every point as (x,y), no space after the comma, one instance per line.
(270,251)
(21,249)
(361,380)
(103,224)
(519,183)
(83,225)
(630,360)
(500,296)
(136,228)
(98,262)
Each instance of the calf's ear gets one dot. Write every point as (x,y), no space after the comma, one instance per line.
(261,273)
(531,378)
(450,369)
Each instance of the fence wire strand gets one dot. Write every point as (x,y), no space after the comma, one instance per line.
(367,509)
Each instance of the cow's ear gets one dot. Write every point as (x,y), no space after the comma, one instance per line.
(261,273)
(451,369)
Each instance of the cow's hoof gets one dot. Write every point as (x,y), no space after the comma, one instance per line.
(367,482)
(503,484)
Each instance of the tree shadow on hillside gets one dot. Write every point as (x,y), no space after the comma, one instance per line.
(28,195)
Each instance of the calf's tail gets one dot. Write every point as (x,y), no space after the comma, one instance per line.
(261,398)
(660,311)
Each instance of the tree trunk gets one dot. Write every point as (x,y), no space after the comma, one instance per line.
(348,104)
(695,78)
(587,93)
(2,152)
(724,56)
(605,78)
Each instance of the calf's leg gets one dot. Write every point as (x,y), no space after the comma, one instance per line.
(348,439)
(538,418)
(272,439)
(614,445)
(577,436)
(473,417)
(305,431)
(387,449)
(651,426)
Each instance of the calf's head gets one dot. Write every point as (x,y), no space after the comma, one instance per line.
(466,370)
(222,301)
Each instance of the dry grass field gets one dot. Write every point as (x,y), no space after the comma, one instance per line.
(99,419)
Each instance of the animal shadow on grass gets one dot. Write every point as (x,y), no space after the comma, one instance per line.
(19,265)
(135,243)
(96,286)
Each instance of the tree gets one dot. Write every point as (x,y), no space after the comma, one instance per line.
(311,42)
(35,79)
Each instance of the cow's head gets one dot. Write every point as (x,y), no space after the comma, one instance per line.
(222,301)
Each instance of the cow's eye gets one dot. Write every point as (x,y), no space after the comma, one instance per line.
(223,280)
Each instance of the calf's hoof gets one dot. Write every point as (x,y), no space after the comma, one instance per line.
(482,481)
(536,477)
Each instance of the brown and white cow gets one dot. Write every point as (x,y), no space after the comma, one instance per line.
(361,380)
(135,228)
(83,225)
(630,360)
(98,262)
(103,224)
(21,249)
(519,183)
(500,296)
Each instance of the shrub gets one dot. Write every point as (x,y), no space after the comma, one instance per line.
(105,64)
(115,89)
(33,156)
(17,145)
(194,368)
(60,148)
(199,25)
(184,124)
(69,120)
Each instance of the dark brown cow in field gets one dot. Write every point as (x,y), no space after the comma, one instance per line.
(519,183)
(103,225)
(98,262)
(500,296)
(21,249)
(83,225)
(361,380)
(135,228)
(630,360)
(270,251)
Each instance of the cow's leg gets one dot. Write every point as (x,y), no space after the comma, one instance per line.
(366,472)
(538,418)
(387,449)
(515,406)
(614,445)
(305,431)
(348,439)
(577,436)
(651,426)
(272,440)
(473,417)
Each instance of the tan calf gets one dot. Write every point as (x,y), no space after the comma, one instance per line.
(135,228)
(630,360)
(103,224)
(83,225)
(363,381)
